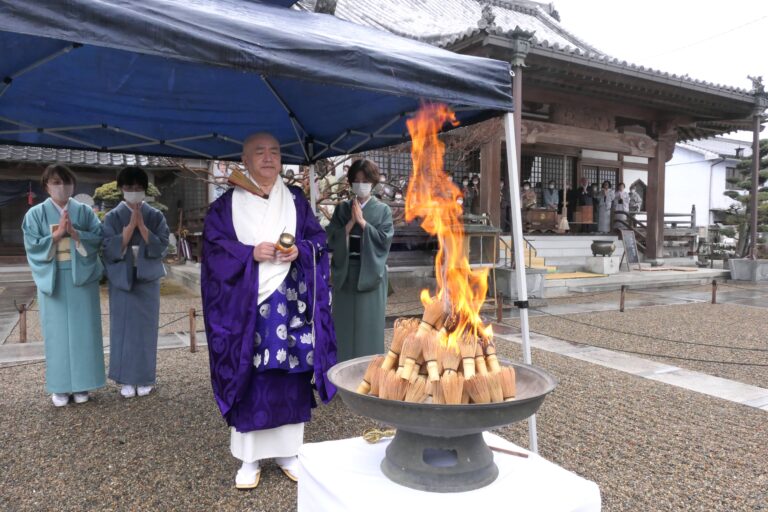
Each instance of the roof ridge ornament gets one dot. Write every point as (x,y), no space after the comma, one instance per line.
(487,20)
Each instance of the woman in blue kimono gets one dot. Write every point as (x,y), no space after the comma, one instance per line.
(62,239)
(135,241)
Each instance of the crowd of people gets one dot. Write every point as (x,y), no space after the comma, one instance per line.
(605,202)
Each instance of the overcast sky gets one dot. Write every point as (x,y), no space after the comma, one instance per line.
(712,40)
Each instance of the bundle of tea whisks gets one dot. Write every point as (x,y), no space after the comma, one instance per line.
(421,367)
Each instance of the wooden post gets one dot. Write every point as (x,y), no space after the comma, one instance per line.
(22,309)
(490,180)
(192,330)
(754,190)
(621,301)
(714,291)
(654,238)
(499,306)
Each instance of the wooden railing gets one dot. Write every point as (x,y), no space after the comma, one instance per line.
(677,226)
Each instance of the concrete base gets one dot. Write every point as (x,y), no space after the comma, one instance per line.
(603,264)
(506,282)
(748,270)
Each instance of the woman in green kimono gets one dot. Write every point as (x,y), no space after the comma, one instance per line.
(62,239)
(360,234)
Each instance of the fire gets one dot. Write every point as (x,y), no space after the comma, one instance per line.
(432,197)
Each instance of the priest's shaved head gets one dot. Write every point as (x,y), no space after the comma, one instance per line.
(261,156)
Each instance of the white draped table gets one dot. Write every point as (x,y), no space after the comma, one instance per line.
(344,475)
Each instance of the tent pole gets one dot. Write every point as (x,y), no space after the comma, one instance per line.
(513,180)
(310,150)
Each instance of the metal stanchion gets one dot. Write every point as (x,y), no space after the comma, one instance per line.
(192,330)
(623,293)
(714,291)
(499,307)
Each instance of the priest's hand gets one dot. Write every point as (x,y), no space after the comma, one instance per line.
(265,251)
(357,213)
(287,257)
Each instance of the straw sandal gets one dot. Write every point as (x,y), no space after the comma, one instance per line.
(242,480)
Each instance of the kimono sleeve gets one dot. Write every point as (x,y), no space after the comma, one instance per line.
(38,243)
(157,243)
(112,242)
(313,263)
(337,242)
(375,244)
(87,267)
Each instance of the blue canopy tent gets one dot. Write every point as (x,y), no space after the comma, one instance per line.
(192,78)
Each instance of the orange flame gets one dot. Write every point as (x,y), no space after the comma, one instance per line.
(432,197)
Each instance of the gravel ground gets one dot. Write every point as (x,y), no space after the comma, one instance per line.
(730,326)
(648,445)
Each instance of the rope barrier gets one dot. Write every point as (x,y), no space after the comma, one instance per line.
(657,338)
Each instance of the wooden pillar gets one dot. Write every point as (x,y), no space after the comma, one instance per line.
(517,97)
(654,205)
(490,180)
(654,195)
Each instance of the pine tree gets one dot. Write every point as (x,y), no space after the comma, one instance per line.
(740,215)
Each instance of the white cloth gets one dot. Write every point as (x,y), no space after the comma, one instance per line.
(283,441)
(258,220)
(345,476)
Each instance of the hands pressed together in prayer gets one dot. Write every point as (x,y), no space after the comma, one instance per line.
(65,228)
(136,222)
(357,216)
(266,251)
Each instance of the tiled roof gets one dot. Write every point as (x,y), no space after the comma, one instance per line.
(723,146)
(448,22)
(78,157)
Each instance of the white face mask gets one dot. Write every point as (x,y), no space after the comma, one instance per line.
(134,197)
(361,190)
(526,187)
(61,193)
(551,187)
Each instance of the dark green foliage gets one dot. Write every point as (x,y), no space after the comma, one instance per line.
(739,214)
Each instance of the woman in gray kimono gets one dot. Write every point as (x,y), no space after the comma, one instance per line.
(360,234)
(605,201)
(135,241)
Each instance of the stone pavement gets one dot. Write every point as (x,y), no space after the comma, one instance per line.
(726,389)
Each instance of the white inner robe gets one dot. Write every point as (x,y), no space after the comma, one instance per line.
(258,220)
(283,441)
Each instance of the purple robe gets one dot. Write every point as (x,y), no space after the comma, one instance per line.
(249,399)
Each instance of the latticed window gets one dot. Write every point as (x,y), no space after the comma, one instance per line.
(397,166)
(540,169)
(595,174)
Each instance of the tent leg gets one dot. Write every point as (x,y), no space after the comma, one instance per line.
(513,180)
(312,189)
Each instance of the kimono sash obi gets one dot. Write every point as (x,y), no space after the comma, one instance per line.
(62,248)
